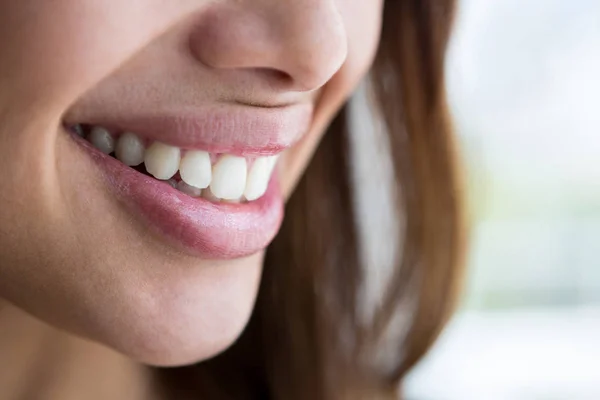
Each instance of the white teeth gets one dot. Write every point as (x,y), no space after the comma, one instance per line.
(190,190)
(130,149)
(229,180)
(259,176)
(196,169)
(162,161)
(229,177)
(101,139)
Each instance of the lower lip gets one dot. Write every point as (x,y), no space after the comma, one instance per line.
(199,227)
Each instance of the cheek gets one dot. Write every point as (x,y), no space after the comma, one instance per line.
(52,51)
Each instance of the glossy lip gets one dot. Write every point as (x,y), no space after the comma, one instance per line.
(234,129)
(194,225)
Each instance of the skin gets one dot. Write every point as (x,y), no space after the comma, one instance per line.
(70,254)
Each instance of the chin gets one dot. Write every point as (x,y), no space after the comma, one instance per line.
(186,315)
(166,341)
(181,324)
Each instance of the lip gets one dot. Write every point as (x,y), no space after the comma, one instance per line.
(233,128)
(194,225)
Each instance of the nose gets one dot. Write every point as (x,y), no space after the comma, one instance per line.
(303,42)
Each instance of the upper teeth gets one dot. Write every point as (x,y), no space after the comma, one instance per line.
(228,179)
(102,140)
(162,160)
(130,149)
(258,178)
(196,169)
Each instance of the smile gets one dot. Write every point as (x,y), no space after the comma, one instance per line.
(197,173)
(210,194)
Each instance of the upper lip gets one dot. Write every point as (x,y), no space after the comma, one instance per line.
(220,128)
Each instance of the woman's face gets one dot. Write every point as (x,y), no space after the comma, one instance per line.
(155,249)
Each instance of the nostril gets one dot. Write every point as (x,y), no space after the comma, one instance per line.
(274,75)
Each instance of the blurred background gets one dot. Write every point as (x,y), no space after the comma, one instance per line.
(524,85)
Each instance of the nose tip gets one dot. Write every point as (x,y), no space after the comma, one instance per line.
(316,57)
(303,40)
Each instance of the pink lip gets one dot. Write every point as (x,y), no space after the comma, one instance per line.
(195,225)
(233,129)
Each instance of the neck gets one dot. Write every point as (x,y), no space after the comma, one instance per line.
(39,361)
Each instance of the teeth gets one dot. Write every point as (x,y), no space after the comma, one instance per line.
(79,130)
(229,180)
(196,169)
(229,177)
(259,176)
(130,149)
(101,139)
(162,161)
(190,190)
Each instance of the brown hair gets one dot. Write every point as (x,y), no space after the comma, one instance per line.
(306,339)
